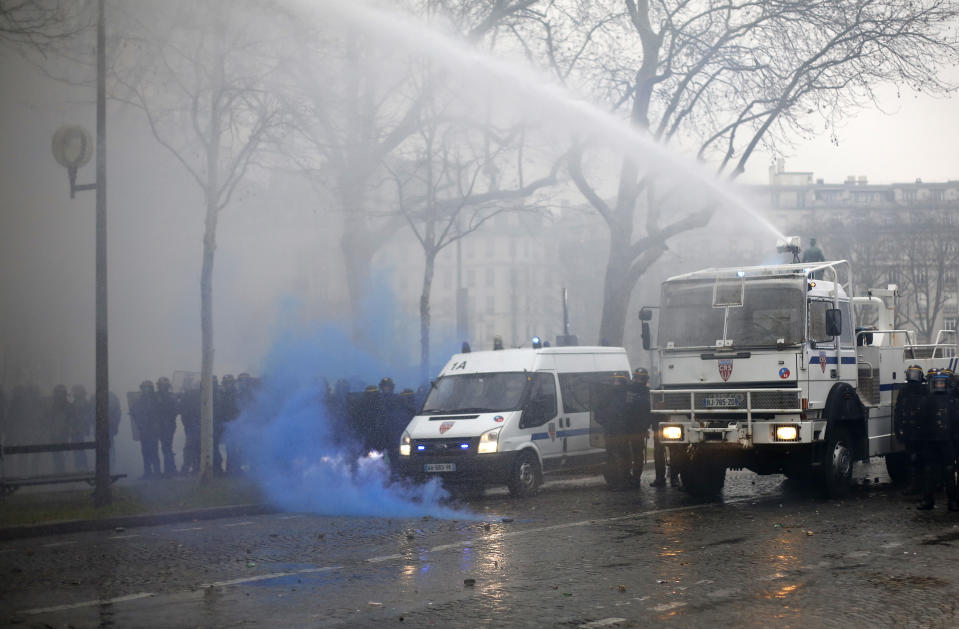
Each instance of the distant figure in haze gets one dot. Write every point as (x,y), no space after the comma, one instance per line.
(225,410)
(115,415)
(143,413)
(813,253)
(166,405)
(190,418)
(81,418)
(58,423)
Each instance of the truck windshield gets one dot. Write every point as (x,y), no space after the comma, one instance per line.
(477,393)
(771,314)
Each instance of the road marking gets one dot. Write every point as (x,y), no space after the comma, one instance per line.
(125,536)
(272,575)
(109,601)
(238,524)
(568,525)
(189,528)
(289,517)
(384,558)
(60,544)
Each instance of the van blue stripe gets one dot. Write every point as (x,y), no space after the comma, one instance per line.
(574,432)
(890,387)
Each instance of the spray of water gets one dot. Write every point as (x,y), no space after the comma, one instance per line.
(528,90)
(296,444)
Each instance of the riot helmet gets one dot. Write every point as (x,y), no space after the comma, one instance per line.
(914,374)
(386,385)
(939,383)
(146,385)
(163,384)
(641,375)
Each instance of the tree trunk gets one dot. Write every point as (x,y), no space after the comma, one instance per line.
(616,290)
(206,362)
(425,317)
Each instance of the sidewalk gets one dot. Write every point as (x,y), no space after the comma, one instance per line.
(29,513)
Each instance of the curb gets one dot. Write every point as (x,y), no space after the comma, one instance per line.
(131,521)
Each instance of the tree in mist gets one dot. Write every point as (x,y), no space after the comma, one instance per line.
(721,79)
(354,110)
(39,25)
(451,178)
(201,73)
(915,249)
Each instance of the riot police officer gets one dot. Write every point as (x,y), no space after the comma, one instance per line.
(936,442)
(144,416)
(623,435)
(907,415)
(167,411)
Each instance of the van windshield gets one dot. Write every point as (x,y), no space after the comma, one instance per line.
(477,393)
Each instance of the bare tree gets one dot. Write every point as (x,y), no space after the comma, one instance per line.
(450,180)
(205,90)
(354,114)
(722,78)
(38,25)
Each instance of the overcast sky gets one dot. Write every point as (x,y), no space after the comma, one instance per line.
(917,139)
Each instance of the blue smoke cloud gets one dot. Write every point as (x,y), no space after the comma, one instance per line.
(296,446)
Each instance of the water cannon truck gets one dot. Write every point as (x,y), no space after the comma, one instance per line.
(765,368)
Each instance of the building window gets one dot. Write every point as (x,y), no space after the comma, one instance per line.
(909,195)
(491,277)
(512,247)
(490,247)
(936,195)
(470,278)
(490,304)
(950,323)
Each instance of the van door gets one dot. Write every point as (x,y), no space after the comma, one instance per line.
(575,418)
(540,415)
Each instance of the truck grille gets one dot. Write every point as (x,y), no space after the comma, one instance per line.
(727,400)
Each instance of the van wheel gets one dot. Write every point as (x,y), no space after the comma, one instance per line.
(525,477)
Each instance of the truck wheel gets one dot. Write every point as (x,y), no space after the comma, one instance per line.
(703,478)
(897,465)
(525,477)
(836,464)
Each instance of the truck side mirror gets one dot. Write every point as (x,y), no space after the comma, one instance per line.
(833,322)
(646,342)
(645,314)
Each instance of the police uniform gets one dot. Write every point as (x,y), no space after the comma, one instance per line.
(166,410)
(144,416)
(906,417)
(935,437)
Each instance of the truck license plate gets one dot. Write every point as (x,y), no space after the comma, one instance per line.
(722,401)
(441,467)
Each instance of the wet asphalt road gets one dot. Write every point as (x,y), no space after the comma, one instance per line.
(576,555)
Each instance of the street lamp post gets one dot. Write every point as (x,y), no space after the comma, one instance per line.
(71,148)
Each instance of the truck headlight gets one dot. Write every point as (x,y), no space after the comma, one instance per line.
(489,441)
(672,433)
(405,444)
(787,433)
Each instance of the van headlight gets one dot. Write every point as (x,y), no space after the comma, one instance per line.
(405,444)
(489,441)
(672,433)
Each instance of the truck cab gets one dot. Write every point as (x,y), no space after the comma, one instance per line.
(764,368)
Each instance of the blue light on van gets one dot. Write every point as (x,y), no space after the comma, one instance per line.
(464,446)
(421,448)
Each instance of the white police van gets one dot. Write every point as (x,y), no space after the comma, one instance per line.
(508,416)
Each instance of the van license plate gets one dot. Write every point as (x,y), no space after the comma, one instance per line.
(441,467)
